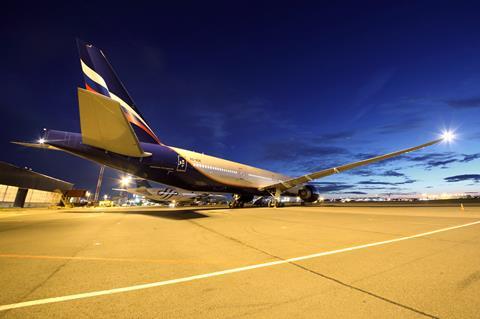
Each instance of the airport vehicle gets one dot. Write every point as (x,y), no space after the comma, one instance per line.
(114,133)
(171,195)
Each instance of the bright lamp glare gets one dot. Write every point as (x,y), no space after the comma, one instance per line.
(126,180)
(448,136)
(41,140)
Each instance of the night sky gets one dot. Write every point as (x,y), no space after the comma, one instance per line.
(292,88)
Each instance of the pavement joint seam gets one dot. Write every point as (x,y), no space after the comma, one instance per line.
(393,302)
(455,244)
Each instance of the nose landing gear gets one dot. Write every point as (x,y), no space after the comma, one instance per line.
(276,196)
(276,203)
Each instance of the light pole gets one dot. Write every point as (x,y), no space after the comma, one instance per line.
(124,182)
(99,183)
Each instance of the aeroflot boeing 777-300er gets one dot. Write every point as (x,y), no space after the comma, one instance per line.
(114,133)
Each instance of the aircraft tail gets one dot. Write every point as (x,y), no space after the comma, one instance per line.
(101,78)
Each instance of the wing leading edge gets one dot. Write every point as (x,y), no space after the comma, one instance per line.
(282,186)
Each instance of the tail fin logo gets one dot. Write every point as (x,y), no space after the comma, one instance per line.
(101,78)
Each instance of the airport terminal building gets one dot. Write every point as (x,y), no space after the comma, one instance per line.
(22,187)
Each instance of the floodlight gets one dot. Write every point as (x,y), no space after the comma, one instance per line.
(125,180)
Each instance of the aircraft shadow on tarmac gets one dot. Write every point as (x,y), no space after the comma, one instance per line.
(175,214)
(180,214)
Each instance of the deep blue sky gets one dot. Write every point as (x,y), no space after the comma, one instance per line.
(288,88)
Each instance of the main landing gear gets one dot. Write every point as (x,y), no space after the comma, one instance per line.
(235,204)
(239,200)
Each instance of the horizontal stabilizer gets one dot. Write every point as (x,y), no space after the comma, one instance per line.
(104,125)
(37,145)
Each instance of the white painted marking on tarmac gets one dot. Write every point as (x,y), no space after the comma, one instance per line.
(219,273)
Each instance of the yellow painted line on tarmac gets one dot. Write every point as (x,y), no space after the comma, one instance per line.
(113,259)
(220,273)
(7,215)
(18,215)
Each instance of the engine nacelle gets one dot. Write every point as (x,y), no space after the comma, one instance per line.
(308,194)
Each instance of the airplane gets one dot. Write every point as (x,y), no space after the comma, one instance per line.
(170,195)
(114,133)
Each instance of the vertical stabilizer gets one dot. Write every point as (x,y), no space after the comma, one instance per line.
(101,78)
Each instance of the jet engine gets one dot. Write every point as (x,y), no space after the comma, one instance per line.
(308,194)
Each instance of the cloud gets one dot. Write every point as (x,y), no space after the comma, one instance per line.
(331,137)
(442,160)
(214,121)
(375,172)
(354,193)
(328,187)
(381,188)
(410,122)
(370,182)
(432,160)
(464,103)
(361,172)
(371,87)
(392,173)
(216,118)
(441,164)
(399,193)
(377,165)
(465,177)
(295,149)
(307,153)
(471,157)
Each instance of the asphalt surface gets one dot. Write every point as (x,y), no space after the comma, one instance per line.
(58,253)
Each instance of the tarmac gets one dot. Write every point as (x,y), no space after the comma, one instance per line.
(291,262)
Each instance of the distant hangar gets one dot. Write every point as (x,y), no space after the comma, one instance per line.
(22,187)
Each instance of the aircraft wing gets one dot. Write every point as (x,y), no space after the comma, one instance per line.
(282,186)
